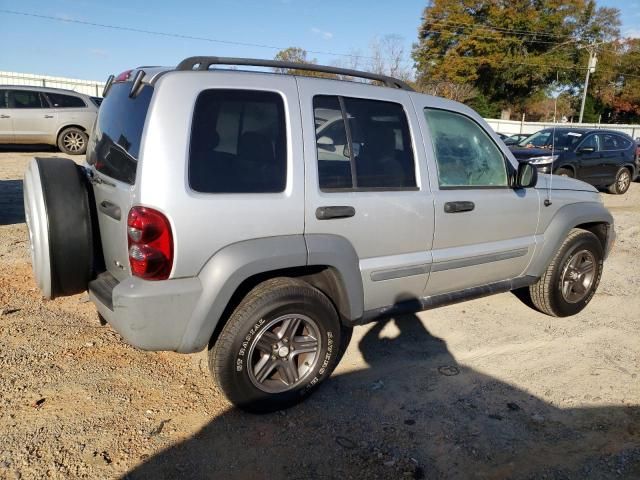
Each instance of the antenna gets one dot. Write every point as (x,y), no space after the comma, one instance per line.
(547,200)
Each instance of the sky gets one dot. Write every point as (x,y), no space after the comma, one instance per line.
(327,28)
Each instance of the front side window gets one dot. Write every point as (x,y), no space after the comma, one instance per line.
(65,101)
(3,99)
(590,142)
(465,154)
(26,99)
(238,142)
(362,144)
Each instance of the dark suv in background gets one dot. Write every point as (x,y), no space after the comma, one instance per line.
(603,158)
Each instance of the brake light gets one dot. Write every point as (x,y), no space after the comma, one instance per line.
(124,76)
(150,244)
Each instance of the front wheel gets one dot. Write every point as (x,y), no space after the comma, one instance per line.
(280,343)
(571,280)
(623,180)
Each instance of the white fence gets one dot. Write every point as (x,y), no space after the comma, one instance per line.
(511,127)
(88,87)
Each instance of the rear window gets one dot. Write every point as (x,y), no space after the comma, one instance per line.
(65,101)
(238,142)
(115,142)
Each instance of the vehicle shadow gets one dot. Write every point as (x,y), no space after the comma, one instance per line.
(11,204)
(416,413)
(7,147)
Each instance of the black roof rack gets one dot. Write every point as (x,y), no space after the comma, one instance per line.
(203,63)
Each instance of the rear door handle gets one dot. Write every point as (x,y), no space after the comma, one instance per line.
(456,207)
(341,211)
(48,116)
(110,209)
(5,116)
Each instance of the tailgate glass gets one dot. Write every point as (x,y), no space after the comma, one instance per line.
(115,141)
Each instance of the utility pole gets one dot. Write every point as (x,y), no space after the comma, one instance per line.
(591,67)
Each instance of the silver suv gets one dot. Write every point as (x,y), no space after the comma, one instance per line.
(35,115)
(263,215)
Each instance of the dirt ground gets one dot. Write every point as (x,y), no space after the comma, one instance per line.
(484,389)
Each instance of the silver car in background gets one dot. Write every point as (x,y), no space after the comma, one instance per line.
(39,115)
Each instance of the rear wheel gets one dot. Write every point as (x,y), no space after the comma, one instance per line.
(623,180)
(279,344)
(571,280)
(73,141)
(58,210)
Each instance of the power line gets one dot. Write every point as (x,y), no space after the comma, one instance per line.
(445,29)
(174,35)
(499,29)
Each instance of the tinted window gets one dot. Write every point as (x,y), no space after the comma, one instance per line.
(590,142)
(465,154)
(611,141)
(65,101)
(115,142)
(26,99)
(3,99)
(372,151)
(238,142)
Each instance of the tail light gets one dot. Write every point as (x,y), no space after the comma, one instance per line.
(150,244)
(124,76)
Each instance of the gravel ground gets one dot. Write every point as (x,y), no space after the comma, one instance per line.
(483,389)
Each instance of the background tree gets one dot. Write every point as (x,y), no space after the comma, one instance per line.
(509,51)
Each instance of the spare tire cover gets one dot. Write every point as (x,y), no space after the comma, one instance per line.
(57,203)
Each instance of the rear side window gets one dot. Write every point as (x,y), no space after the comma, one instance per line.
(65,101)
(116,138)
(362,144)
(238,142)
(3,99)
(26,99)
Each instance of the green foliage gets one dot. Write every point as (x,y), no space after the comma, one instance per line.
(481,104)
(509,51)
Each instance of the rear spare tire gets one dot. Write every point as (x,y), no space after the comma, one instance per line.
(57,204)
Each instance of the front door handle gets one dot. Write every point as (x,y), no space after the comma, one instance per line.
(48,116)
(5,116)
(456,207)
(328,213)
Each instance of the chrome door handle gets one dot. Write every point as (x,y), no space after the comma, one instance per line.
(5,116)
(48,116)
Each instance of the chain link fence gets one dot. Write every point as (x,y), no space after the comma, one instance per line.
(88,87)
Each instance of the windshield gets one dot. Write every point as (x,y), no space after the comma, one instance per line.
(562,140)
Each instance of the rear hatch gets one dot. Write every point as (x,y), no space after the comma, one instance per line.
(113,155)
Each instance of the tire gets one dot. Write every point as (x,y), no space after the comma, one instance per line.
(251,360)
(73,141)
(579,249)
(622,183)
(58,206)
(565,172)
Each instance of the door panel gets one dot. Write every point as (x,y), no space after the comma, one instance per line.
(484,230)
(32,119)
(391,229)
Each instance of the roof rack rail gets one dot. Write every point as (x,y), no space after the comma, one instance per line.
(203,63)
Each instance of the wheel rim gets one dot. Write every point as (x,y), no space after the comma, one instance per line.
(284,353)
(624,179)
(73,141)
(577,276)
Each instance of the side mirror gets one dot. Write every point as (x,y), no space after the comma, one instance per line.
(527,175)
(586,150)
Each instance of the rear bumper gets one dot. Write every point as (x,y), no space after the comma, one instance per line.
(148,315)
